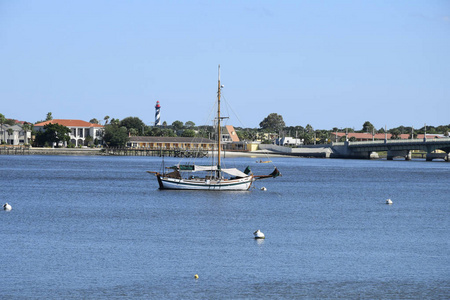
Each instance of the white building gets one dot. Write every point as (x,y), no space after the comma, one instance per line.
(288,141)
(80,130)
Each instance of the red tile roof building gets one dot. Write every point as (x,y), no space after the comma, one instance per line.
(80,130)
(230,134)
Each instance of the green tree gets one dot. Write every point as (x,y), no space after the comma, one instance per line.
(115,136)
(309,128)
(189,124)
(132,122)
(53,134)
(10,133)
(443,129)
(368,127)
(155,131)
(177,125)
(106,118)
(115,122)
(88,140)
(188,133)
(308,138)
(273,122)
(10,122)
(168,132)
(133,132)
(395,134)
(348,130)
(94,121)
(49,116)
(26,128)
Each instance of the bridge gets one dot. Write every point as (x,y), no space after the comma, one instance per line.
(394,148)
(433,149)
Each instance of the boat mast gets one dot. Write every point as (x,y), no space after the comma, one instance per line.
(218,124)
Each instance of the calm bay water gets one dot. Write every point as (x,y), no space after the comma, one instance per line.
(98,227)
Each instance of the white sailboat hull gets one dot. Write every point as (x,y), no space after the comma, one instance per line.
(240,184)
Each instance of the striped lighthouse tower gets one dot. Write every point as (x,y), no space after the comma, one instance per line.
(157,114)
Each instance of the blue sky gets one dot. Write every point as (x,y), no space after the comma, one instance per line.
(324,63)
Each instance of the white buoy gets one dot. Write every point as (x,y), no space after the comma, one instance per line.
(389,201)
(6,206)
(259,235)
(263,189)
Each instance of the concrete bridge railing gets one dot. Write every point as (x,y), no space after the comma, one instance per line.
(395,148)
(369,149)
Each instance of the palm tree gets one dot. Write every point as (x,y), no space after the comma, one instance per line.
(2,121)
(10,132)
(106,118)
(26,128)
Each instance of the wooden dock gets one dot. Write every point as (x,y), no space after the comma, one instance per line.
(20,150)
(154,152)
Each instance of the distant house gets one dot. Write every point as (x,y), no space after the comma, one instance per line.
(17,137)
(80,130)
(229,135)
(230,140)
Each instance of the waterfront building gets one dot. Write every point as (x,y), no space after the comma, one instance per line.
(229,141)
(81,132)
(229,135)
(170,143)
(14,134)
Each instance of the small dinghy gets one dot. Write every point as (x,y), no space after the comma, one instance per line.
(6,206)
(259,235)
(389,202)
(263,161)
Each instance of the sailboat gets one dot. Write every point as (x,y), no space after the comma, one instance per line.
(215,177)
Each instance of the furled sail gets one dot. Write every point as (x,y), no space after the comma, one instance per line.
(234,172)
(193,168)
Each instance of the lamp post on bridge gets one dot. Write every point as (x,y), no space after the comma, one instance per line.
(425,134)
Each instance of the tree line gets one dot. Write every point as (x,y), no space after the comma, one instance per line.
(117,132)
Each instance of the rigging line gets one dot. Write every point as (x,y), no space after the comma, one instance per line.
(228,106)
(193,159)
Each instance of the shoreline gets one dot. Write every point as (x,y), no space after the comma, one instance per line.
(260,154)
(98,151)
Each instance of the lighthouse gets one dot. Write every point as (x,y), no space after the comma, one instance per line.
(157,114)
